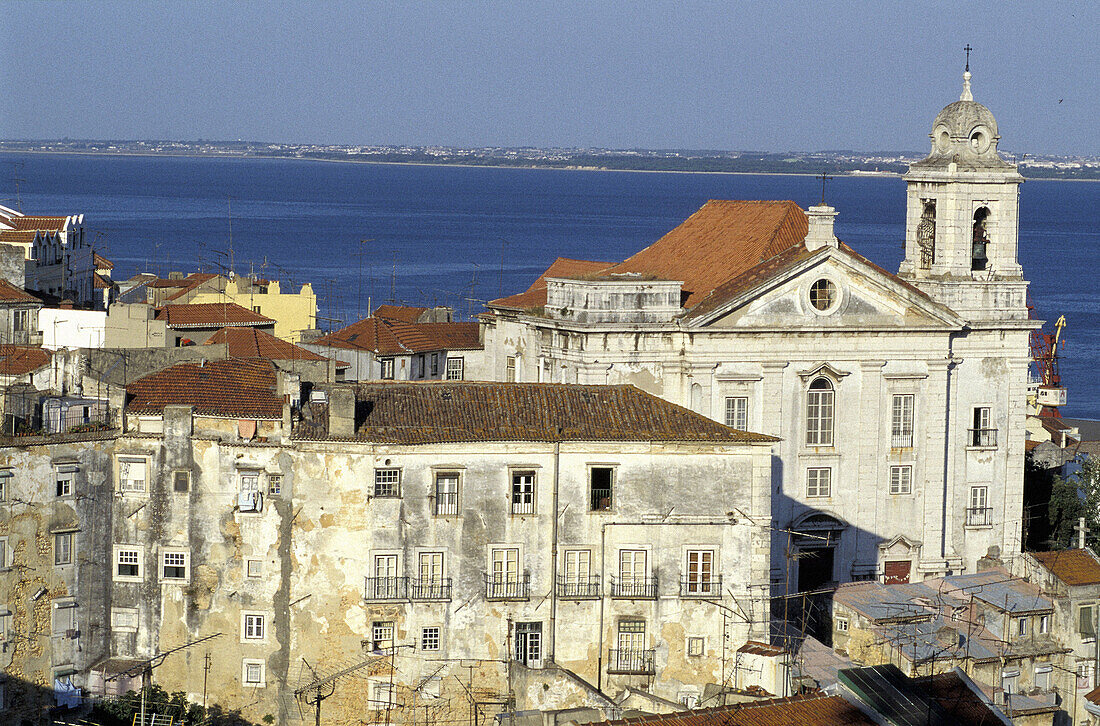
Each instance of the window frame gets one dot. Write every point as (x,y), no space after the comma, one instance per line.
(65,536)
(429,638)
(696,646)
(274,484)
(6,475)
(125,486)
(901,486)
(738,417)
(902,420)
(253,627)
(612,476)
(120,613)
(510,369)
(65,482)
(139,552)
(248,563)
(820,412)
(186,566)
(396,483)
(446,510)
(379,628)
(247,663)
(460,368)
(815,489)
(842,624)
(523,500)
(386,366)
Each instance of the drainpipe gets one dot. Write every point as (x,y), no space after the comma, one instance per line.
(554,552)
(948,448)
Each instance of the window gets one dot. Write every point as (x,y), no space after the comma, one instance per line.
(631,636)
(22,321)
(983,435)
(446,493)
(64,617)
(529,644)
(455,369)
(1010,681)
(131,474)
(124,620)
(1085,671)
(901,480)
(505,561)
(252,673)
(901,421)
(387,482)
(523,492)
(632,572)
(382,635)
(421,366)
(3,553)
(979,514)
(695,646)
(435,365)
(63,548)
(385,585)
(1042,677)
(387,368)
(253,568)
(600,480)
(688,699)
(1086,621)
(822,294)
(174,566)
(381,695)
(128,563)
(819,481)
(578,566)
(274,483)
(431,585)
(253,626)
(5,476)
(1021,627)
(981,236)
(819,413)
(64,484)
(429,638)
(1044,624)
(181,480)
(700,573)
(250,481)
(842,625)
(510,369)
(737,412)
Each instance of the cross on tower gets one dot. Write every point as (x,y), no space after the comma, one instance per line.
(824,178)
(968,49)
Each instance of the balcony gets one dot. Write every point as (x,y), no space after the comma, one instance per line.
(513,588)
(630,662)
(695,587)
(522,507)
(981,438)
(634,588)
(979,516)
(601,499)
(446,504)
(579,588)
(439,590)
(901,440)
(387,588)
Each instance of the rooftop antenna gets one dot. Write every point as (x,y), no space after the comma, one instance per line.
(229,199)
(359,294)
(824,178)
(393,279)
(16,168)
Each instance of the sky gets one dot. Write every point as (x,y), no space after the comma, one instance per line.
(767,76)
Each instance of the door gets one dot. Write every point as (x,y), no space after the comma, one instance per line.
(385,576)
(815,568)
(529,644)
(699,571)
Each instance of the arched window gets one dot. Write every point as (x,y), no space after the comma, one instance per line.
(819,413)
(981,239)
(926,235)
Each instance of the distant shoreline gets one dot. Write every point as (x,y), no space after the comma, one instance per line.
(853,173)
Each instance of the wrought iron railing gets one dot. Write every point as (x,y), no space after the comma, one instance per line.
(579,588)
(521,507)
(979,516)
(696,587)
(630,661)
(430,589)
(634,588)
(514,588)
(601,499)
(446,503)
(901,440)
(387,588)
(982,438)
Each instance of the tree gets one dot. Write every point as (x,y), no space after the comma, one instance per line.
(1073,497)
(121,711)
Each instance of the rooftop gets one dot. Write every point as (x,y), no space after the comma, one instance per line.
(18,360)
(230,388)
(210,315)
(388,336)
(11,293)
(1073,567)
(253,343)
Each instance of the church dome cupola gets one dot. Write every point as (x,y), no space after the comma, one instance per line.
(964,133)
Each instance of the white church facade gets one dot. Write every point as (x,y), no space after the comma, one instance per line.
(899,399)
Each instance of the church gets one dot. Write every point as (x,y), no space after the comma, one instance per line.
(899,399)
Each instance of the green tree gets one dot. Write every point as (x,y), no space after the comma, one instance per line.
(1073,497)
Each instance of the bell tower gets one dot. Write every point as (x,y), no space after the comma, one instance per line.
(962,217)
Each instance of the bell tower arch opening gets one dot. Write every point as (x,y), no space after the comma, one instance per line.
(979,257)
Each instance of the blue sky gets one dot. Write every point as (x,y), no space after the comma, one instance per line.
(765,76)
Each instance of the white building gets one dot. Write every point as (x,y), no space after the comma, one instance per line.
(899,399)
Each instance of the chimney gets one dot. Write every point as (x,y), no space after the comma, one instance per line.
(341,412)
(821,227)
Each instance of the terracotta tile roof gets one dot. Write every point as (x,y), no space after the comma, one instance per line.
(190,283)
(17,237)
(535,295)
(393,337)
(210,315)
(720,241)
(49,224)
(1093,696)
(11,293)
(231,388)
(404,313)
(100,282)
(18,360)
(757,648)
(752,277)
(811,709)
(453,411)
(101,262)
(1073,567)
(253,343)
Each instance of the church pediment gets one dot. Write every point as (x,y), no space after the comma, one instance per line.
(833,288)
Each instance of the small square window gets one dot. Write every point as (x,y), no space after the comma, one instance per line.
(64,484)
(253,673)
(387,482)
(63,548)
(254,568)
(250,481)
(274,483)
(901,480)
(128,563)
(695,646)
(253,626)
(819,482)
(842,625)
(175,566)
(181,480)
(429,638)
(382,635)
(455,368)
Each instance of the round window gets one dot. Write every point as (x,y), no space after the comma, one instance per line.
(823,294)
(979,139)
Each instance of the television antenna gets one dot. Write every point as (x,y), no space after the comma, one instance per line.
(323,685)
(145,670)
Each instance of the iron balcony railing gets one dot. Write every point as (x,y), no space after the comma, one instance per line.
(601,499)
(630,661)
(387,588)
(979,516)
(634,588)
(982,438)
(901,440)
(439,589)
(446,503)
(521,507)
(695,587)
(513,588)
(579,588)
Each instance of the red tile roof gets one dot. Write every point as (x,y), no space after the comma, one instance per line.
(101,262)
(51,224)
(100,282)
(1073,567)
(190,283)
(452,411)
(17,237)
(18,360)
(404,313)
(535,295)
(210,315)
(230,388)
(253,343)
(393,337)
(11,293)
(811,709)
